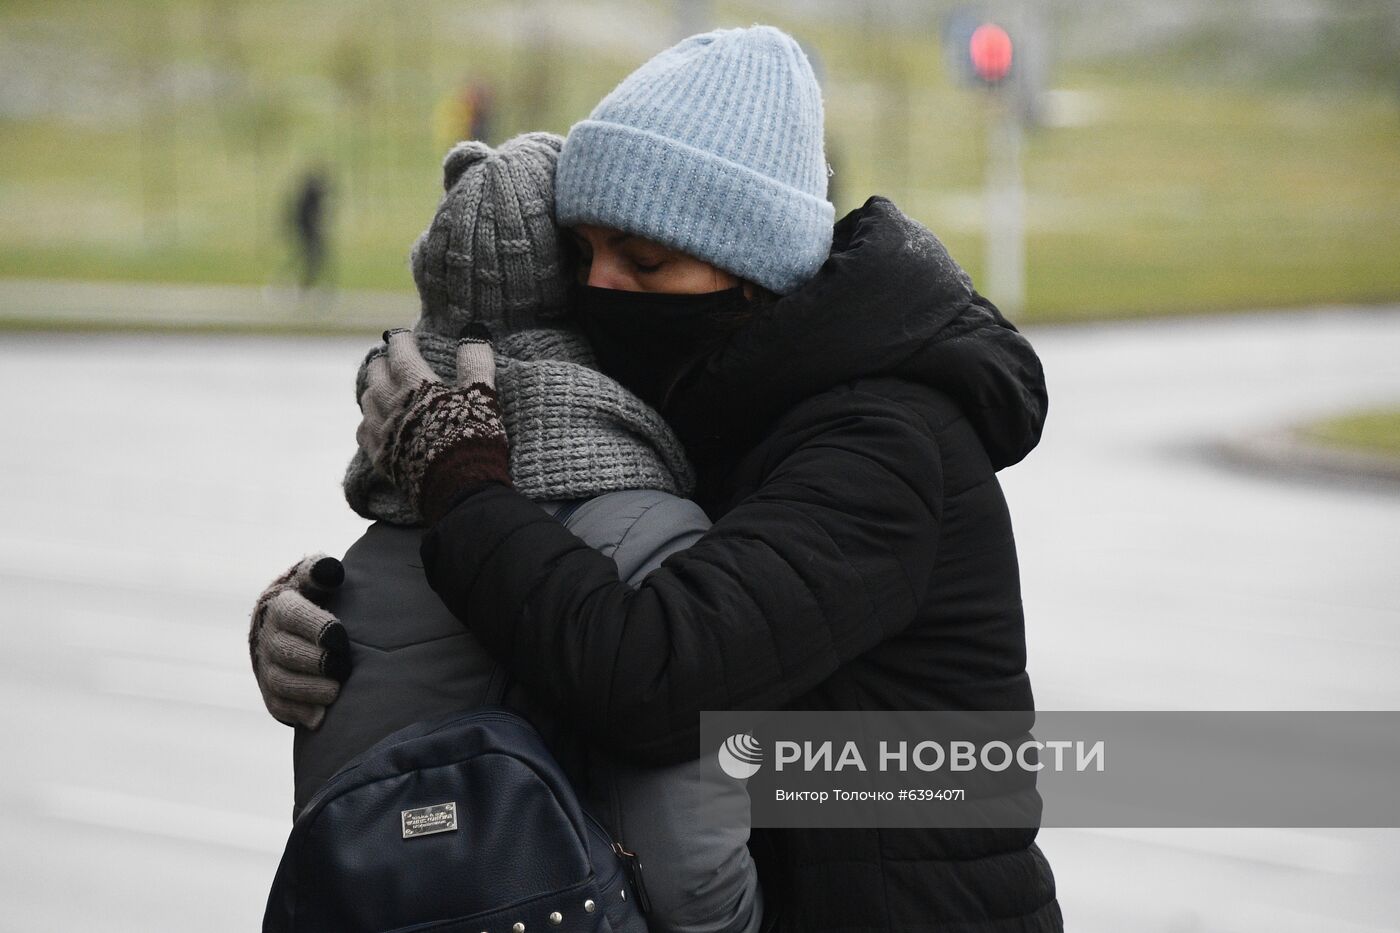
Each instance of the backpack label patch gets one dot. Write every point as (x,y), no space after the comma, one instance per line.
(424,821)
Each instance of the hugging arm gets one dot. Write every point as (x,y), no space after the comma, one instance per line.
(829,557)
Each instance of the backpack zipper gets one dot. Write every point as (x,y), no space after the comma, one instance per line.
(630,863)
(633,865)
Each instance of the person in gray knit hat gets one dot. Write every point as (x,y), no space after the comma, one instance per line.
(493,258)
(586,449)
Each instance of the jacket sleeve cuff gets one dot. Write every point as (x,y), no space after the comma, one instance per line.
(459,473)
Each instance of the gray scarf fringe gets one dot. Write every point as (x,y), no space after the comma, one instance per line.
(574,432)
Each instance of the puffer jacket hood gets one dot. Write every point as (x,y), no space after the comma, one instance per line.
(889,301)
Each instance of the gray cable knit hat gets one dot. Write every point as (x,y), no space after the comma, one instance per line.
(492,256)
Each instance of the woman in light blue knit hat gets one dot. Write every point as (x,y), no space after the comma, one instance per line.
(714,149)
(847,399)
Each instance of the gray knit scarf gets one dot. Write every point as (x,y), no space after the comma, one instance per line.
(574,433)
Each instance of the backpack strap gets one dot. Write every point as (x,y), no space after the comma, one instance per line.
(566,511)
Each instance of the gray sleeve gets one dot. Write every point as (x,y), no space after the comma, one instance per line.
(638,528)
(688,823)
(689,826)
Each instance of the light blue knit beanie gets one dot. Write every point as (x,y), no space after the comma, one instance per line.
(714,148)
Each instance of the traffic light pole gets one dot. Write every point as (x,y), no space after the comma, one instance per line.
(1005,205)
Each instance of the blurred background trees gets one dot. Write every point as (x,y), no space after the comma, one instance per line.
(1184,154)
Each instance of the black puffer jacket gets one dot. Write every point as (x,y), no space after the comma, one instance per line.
(861,558)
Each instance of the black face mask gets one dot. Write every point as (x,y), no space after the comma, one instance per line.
(648,341)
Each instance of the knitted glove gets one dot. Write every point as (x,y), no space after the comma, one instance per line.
(433,440)
(300,652)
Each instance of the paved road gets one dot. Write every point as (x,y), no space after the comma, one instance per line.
(153,484)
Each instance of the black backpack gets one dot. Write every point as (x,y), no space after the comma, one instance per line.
(461,823)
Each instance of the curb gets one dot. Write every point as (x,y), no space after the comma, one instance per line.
(1285,451)
(39,305)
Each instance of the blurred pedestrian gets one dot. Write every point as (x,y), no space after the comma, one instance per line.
(306,217)
(483,111)
(469,113)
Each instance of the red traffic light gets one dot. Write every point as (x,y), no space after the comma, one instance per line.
(990,51)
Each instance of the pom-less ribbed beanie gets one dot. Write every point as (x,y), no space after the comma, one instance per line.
(714,148)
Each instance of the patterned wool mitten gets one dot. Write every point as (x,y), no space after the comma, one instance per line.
(433,440)
(300,651)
